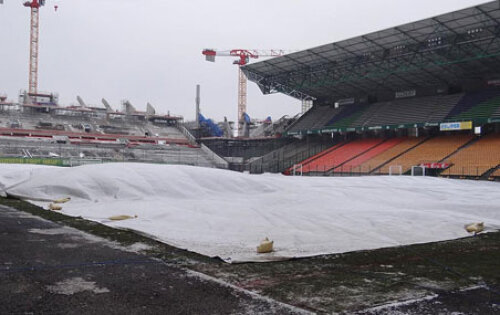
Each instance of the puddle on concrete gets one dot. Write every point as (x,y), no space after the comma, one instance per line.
(67,245)
(75,285)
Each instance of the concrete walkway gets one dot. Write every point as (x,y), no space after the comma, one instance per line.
(49,268)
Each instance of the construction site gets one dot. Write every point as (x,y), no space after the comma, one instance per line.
(380,195)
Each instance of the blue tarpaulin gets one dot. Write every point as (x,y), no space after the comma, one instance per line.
(246,118)
(212,127)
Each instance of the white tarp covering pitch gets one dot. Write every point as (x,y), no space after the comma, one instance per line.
(226,214)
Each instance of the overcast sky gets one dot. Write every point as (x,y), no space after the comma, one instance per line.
(150,50)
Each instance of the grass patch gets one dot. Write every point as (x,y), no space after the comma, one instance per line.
(124,237)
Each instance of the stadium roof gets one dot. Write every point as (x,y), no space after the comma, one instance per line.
(446,50)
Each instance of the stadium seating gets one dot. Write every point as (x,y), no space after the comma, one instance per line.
(321,154)
(477,158)
(96,125)
(483,110)
(496,173)
(338,155)
(496,114)
(347,115)
(284,157)
(475,105)
(354,165)
(316,117)
(430,151)
(430,109)
(168,154)
(374,163)
(407,111)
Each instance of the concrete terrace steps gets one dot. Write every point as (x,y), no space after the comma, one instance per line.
(153,154)
(97,125)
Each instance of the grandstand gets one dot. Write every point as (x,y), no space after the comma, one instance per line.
(87,120)
(286,156)
(496,173)
(474,106)
(433,150)
(354,164)
(274,128)
(316,117)
(83,135)
(340,155)
(90,154)
(401,146)
(466,162)
(430,109)
(424,93)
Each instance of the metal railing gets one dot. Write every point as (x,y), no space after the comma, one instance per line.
(188,135)
(219,161)
(284,158)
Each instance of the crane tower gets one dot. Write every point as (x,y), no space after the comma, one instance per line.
(34,5)
(244,56)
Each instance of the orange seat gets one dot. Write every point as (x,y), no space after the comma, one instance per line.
(404,145)
(476,159)
(430,151)
(496,173)
(354,165)
(339,155)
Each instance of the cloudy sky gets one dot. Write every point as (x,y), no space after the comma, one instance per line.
(150,50)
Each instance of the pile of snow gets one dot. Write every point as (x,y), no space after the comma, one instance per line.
(226,214)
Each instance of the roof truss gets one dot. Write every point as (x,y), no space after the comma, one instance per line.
(442,50)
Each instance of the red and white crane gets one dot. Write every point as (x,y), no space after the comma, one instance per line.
(35,6)
(244,56)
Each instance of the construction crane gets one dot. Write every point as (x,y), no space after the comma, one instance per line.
(244,56)
(34,5)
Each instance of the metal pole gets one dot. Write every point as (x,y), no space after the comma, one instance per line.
(197,106)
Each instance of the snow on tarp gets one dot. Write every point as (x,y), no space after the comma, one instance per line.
(226,214)
(15,174)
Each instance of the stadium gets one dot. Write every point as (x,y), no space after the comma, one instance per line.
(420,94)
(377,198)
(424,94)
